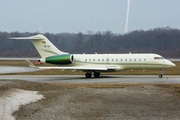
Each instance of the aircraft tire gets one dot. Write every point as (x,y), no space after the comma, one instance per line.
(160,75)
(88,75)
(96,74)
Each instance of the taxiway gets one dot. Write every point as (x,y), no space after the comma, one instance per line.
(102,79)
(82,79)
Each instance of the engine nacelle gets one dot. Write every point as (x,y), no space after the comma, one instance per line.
(59,59)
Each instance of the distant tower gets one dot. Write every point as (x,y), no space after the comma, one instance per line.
(127,16)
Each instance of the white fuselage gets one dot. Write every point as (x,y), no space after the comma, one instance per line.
(122,61)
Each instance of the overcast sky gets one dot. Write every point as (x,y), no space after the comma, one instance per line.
(75,16)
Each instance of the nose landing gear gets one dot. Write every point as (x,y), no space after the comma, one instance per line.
(160,74)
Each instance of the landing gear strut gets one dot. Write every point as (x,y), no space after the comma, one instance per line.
(160,74)
(88,75)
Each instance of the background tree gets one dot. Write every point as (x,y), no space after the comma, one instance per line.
(164,41)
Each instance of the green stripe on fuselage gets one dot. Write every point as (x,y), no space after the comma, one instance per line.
(60,59)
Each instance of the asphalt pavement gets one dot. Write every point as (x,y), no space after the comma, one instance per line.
(102,79)
(82,78)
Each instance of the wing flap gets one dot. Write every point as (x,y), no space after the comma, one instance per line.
(113,68)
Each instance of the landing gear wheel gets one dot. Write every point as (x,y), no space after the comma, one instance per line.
(88,75)
(96,74)
(160,75)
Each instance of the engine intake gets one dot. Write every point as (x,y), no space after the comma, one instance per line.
(60,59)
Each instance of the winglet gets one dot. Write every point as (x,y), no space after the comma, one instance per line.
(30,64)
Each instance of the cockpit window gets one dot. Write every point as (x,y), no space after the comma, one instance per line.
(162,58)
(158,58)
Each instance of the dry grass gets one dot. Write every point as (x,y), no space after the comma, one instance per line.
(169,71)
(114,85)
(21,63)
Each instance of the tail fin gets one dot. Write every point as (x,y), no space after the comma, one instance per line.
(43,46)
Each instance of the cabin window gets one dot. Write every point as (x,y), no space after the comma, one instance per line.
(94,60)
(98,60)
(89,60)
(134,59)
(103,60)
(116,59)
(139,59)
(125,59)
(121,59)
(85,59)
(144,59)
(129,59)
(112,60)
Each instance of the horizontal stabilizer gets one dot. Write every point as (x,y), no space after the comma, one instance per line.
(30,64)
(26,38)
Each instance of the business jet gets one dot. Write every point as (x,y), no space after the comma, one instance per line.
(95,63)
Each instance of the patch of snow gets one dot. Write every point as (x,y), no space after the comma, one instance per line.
(13,99)
(14,69)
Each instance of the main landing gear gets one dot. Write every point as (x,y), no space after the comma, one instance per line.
(89,75)
(96,74)
(160,74)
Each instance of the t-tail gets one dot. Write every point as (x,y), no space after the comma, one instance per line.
(48,52)
(44,47)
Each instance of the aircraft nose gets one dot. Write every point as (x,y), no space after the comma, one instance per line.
(169,64)
(172,64)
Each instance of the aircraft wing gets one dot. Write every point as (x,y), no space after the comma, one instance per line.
(82,68)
